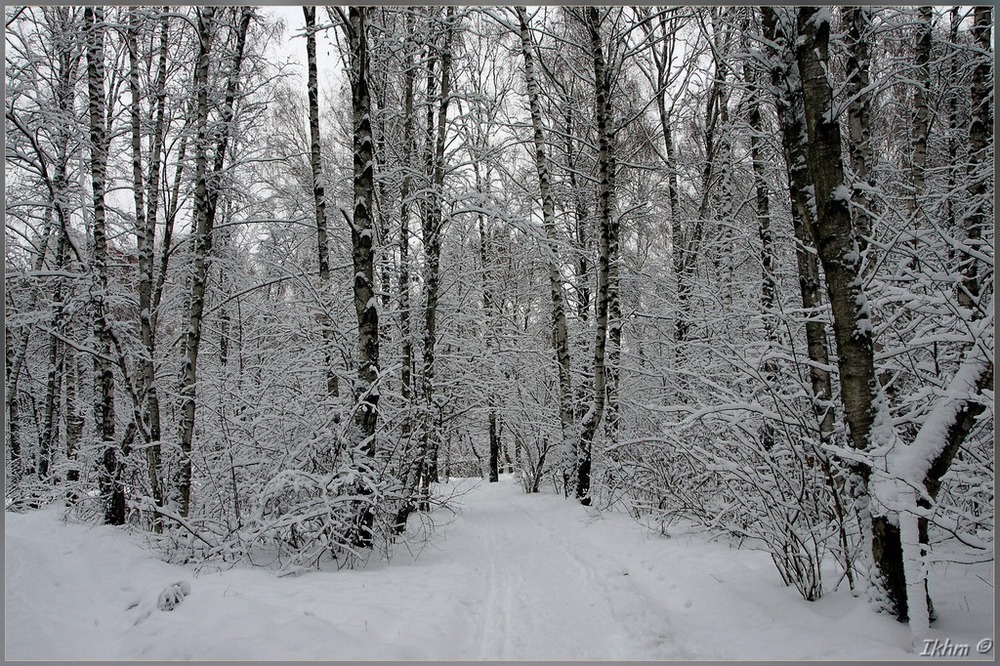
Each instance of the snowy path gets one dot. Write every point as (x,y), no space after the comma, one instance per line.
(509,576)
(543,600)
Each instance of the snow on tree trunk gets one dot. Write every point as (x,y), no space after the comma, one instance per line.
(858,66)
(206,197)
(319,200)
(791,118)
(111,482)
(560,338)
(362,236)
(145,220)
(980,176)
(607,234)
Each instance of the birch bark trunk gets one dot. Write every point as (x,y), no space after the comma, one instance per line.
(560,338)
(112,485)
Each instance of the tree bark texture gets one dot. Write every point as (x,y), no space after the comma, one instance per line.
(111,482)
(560,337)
(858,24)
(791,119)
(592,419)
(362,235)
(206,197)
(145,222)
(980,176)
(319,198)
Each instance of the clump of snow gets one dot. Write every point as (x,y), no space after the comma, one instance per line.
(510,576)
(173,595)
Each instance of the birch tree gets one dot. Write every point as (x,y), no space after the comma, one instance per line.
(206,200)
(560,340)
(112,483)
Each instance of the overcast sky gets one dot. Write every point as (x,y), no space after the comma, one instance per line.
(292,47)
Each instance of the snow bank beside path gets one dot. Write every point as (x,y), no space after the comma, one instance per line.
(512,576)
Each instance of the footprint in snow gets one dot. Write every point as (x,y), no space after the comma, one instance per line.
(173,595)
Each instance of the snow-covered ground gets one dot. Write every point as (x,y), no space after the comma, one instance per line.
(510,576)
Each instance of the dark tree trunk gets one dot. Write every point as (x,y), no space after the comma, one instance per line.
(433,223)
(366,390)
(319,199)
(362,235)
(145,220)
(834,233)
(14,465)
(858,23)
(111,482)
(791,119)
(980,179)
(206,197)
(606,244)
(836,243)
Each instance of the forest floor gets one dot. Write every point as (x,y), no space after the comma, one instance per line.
(506,576)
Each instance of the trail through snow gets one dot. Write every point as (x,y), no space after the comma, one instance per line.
(508,576)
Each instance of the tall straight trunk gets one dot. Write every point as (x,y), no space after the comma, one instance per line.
(612,411)
(980,176)
(47,426)
(582,269)
(202,245)
(319,198)
(414,463)
(791,118)
(858,24)
(75,421)
(111,482)
(50,410)
(581,227)
(686,250)
(409,151)
(490,318)
(921,112)
(366,390)
(763,210)
(206,196)
(432,228)
(362,235)
(14,465)
(145,223)
(592,419)
(834,234)
(560,338)
(955,18)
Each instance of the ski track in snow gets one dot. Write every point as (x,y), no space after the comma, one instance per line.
(510,576)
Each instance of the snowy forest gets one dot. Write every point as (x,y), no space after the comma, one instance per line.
(269,287)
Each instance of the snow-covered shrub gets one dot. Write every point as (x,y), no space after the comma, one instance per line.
(307,516)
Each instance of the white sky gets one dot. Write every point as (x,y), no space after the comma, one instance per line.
(292,47)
